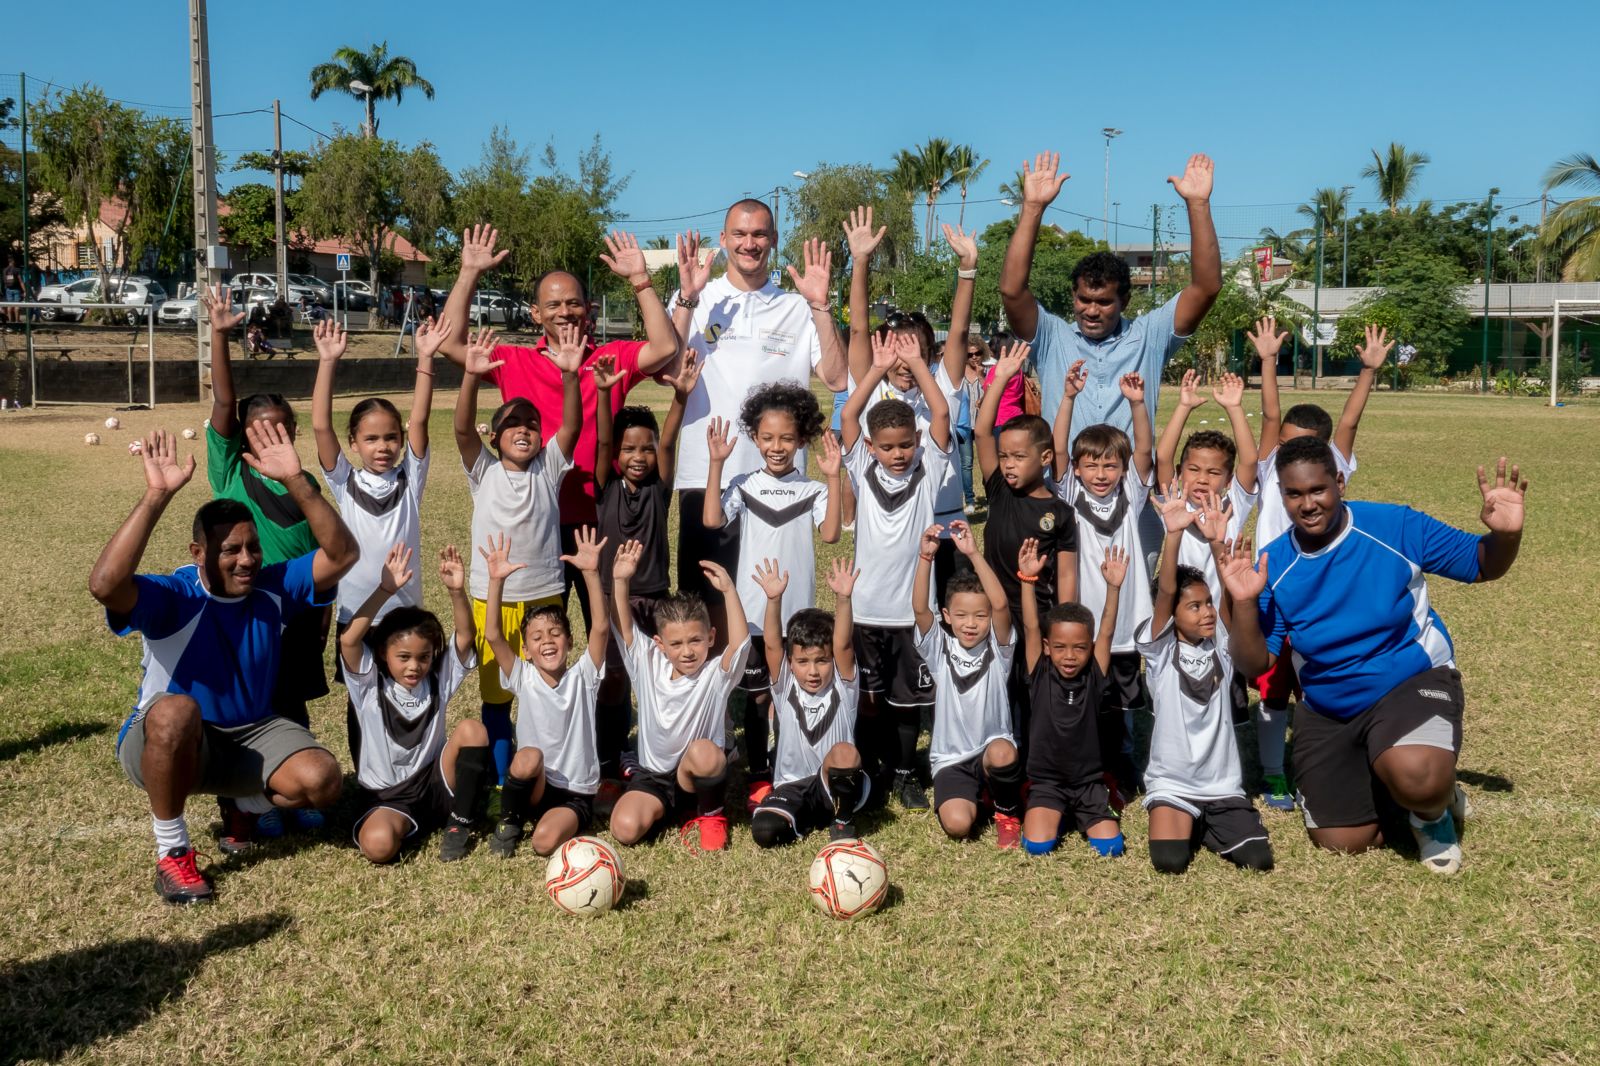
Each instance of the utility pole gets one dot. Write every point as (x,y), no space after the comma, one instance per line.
(1316,309)
(1488,270)
(208,250)
(1344,274)
(277,181)
(27,255)
(1155,242)
(1105,207)
(1538,254)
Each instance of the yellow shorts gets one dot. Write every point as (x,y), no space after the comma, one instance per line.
(511,616)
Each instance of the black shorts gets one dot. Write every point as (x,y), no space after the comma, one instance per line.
(1333,759)
(1124,683)
(962,781)
(615,687)
(888,665)
(1088,804)
(556,797)
(1220,825)
(423,799)
(663,787)
(236,761)
(757,678)
(301,677)
(806,804)
(696,543)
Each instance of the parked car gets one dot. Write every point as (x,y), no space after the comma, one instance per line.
(185,310)
(297,294)
(142,295)
(492,308)
(353,295)
(323,290)
(85,291)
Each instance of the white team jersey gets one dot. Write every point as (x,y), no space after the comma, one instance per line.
(381,510)
(891,514)
(1102,522)
(948,500)
(1194,550)
(969,685)
(744,339)
(775,526)
(524,506)
(676,711)
(402,729)
(810,724)
(1193,753)
(559,720)
(1273,521)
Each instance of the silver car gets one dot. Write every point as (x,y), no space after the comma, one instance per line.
(184,311)
(143,296)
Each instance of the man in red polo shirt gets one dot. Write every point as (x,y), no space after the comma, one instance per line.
(560,299)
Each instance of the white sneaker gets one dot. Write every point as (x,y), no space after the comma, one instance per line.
(1439,849)
(1460,808)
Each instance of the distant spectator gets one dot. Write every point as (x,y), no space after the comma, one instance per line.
(12,283)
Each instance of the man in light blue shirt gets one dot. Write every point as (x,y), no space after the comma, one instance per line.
(1109,344)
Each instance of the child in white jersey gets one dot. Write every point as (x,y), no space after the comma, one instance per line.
(817,777)
(772,506)
(683,696)
(400,675)
(1194,782)
(1106,487)
(556,770)
(1279,685)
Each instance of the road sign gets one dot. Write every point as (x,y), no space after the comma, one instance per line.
(1326,333)
(341,261)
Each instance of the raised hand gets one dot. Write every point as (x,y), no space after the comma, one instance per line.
(719,439)
(830,462)
(1376,350)
(497,558)
(332,341)
(842,574)
(452,568)
(163,474)
(431,335)
(1132,386)
(717,576)
(271,452)
(626,562)
(1243,580)
(687,377)
(605,373)
(480,352)
(1189,390)
(1115,566)
(772,578)
(1175,513)
(623,257)
(928,546)
(1010,361)
(859,236)
(815,282)
(961,536)
(586,553)
(1267,340)
(964,244)
(566,349)
(1195,184)
(889,348)
(396,573)
(219,308)
(1229,391)
(1212,518)
(1077,378)
(1502,501)
(477,248)
(1029,562)
(692,273)
(1041,183)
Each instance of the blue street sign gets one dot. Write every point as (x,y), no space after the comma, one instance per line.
(342,261)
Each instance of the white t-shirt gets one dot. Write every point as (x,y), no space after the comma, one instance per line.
(969,684)
(775,527)
(1102,522)
(745,339)
(381,510)
(948,501)
(524,506)
(407,735)
(891,514)
(1195,550)
(810,724)
(1193,753)
(559,720)
(1273,521)
(673,712)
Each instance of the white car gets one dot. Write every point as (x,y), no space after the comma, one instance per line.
(183,312)
(142,295)
(297,293)
(68,296)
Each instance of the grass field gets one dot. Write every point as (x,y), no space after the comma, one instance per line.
(311,955)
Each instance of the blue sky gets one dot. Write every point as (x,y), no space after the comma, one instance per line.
(704,103)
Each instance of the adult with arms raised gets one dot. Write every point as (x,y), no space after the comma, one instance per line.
(213,637)
(1380,722)
(522,372)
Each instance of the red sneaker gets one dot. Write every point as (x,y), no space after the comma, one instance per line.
(759,791)
(605,798)
(1007,831)
(179,880)
(710,831)
(238,828)
(1118,801)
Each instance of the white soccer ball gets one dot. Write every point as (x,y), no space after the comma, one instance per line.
(848,879)
(113,423)
(91,438)
(584,877)
(135,447)
(188,434)
(483,429)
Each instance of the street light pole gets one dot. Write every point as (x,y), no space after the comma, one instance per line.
(369,126)
(1488,270)
(1116,223)
(1344,274)
(1105,209)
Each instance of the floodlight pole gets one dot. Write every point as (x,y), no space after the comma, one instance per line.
(1344,273)
(1488,270)
(277,182)
(27,256)
(1316,308)
(1105,207)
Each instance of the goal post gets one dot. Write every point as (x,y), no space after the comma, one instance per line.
(34,348)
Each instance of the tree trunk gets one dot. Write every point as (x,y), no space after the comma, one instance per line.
(372,116)
(961,219)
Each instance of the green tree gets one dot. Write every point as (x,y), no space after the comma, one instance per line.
(965,168)
(1055,254)
(386,77)
(158,231)
(1572,230)
(925,172)
(1455,232)
(1420,302)
(1331,202)
(250,226)
(1012,190)
(1395,173)
(822,202)
(87,147)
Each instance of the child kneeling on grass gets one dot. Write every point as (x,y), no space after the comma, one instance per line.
(556,770)
(400,675)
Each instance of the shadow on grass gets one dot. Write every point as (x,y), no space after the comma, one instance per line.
(71,1000)
(1487,782)
(60,733)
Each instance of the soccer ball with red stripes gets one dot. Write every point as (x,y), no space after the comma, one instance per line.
(584,877)
(848,879)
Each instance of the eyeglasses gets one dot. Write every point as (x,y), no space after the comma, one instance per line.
(900,319)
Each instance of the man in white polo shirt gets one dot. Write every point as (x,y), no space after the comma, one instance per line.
(747,332)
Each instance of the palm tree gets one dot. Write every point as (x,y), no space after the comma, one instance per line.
(1396,174)
(1332,203)
(382,76)
(658,243)
(1012,190)
(927,172)
(965,168)
(1572,230)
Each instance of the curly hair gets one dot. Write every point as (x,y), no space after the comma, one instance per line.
(1306,450)
(1103,268)
(1189,575)
(1210,440)
(403,621)
(1068,614)
(554,612)
(890,414)
(634,416)
(793,399)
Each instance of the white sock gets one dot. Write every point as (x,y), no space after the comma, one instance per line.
(170,833)
(1272,730)
(256,804)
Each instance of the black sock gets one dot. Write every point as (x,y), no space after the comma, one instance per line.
(352,728)
(909,726)
(708,792)
(1005,787)
(755,735)
(515,799)
(845,786)
(472,782)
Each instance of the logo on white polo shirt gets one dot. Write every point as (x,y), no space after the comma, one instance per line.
(713,332)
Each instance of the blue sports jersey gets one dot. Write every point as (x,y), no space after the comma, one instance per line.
(1356,613)
(221,651)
